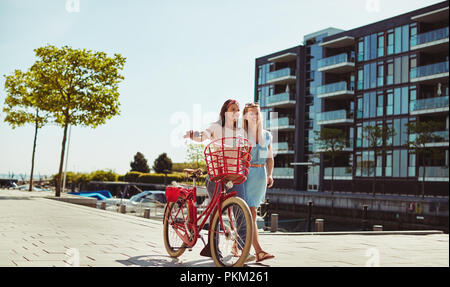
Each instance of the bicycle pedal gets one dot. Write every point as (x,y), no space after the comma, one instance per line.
(190,249)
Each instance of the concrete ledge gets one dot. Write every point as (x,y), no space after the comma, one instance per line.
(80,200)
(404,232)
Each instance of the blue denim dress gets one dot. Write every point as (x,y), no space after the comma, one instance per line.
(256,183)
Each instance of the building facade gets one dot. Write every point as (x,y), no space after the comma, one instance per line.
(388,73)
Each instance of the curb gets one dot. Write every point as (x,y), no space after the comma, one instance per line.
(404,232)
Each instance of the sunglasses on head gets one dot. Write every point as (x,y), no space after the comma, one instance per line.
(252,105)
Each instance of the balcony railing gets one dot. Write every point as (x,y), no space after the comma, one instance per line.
(281,146)
(429,70)
(339,172)
(334,60)
(283,172)
(280,73)
(334,116)
(279,123)
(429,104)
(280,98)
(434,172)
(335,87)
(430,36)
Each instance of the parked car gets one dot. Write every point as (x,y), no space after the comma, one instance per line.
(146,199)
(27,187)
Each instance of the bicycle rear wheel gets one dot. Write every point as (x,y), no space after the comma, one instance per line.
(176,217)
(231,243)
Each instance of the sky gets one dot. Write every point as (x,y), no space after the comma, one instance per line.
(184,59)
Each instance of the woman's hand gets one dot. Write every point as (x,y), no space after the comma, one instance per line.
(189,134)
(269,181)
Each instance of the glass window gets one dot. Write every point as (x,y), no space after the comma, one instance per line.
(404,131)
(405,38)
(390,43)
(413,35)
(373,75)
(412,97)
(366,109)
(389,140)
(360,50)
(398,40)
(365,158)
(390,73)
(380,105)
(358,136)
(381,46)
(373,105)
(397,127)
(380,75)
(396,163)
(405,69)
(405,102)
(397,101)
(373,46)
(403,163)
(390,102)
(367,76)
(358,164)
(379,165)
(359,113)
(388,170)
(371,163)
(360,79)
(397,70)
(412,165)
(366,48)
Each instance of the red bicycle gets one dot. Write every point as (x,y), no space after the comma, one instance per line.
(230,231)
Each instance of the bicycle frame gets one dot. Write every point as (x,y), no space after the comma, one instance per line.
(218,198)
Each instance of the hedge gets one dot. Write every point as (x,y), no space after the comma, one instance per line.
(134,176)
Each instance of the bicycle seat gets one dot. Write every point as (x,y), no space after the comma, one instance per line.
(193,172)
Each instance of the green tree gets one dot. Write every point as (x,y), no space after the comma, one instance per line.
(162,164)
(139,163)
(377,137)
(80,87)
(21,107)
(195,155)
(421,134)
(331,142)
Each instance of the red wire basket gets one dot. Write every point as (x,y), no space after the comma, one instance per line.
(228,159)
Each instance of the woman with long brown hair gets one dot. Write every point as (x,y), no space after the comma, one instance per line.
(261,167)
(226,126)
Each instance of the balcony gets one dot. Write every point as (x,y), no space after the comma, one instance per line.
(433,16)
(282,148)
(280,124)
(282,100)
(283,172)
(432,41)
(429,106)
(434,173)
(339,90)
(287,57)
(283,76)
(340,173)
(339,117)
(341,42)
(438,139)
(341,63)
(430,73)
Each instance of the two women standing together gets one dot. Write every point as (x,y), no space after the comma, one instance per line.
(253,190)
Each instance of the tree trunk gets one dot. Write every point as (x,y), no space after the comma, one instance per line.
(34,151)
(63,150)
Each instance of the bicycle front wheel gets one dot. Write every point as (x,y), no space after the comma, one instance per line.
(176,218)
(231,241)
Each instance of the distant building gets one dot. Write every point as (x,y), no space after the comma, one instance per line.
(387,73)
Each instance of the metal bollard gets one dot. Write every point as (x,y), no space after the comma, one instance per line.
(147,213)
(310,207)
(274,222)
(319,225)
(378,228)
(103,205)
(365,222)
(122,209)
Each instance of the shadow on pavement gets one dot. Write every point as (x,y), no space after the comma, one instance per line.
(164,261)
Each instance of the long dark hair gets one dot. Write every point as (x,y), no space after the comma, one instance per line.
(224,109)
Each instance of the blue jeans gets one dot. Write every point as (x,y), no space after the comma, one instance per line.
(242,232)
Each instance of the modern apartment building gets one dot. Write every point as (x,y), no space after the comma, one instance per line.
(388,73)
